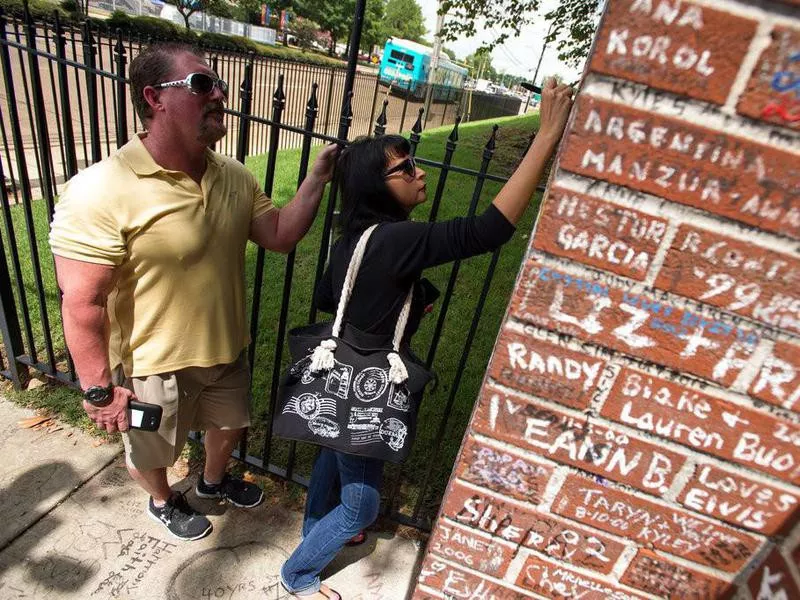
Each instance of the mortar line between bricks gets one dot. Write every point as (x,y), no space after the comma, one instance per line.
(627,542)
(652,439)
(656,206)
(760,42)
(632,288)
(693,382)
(692,112)
(532,508)
(62,501)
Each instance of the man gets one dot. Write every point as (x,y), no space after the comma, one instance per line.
(150,252)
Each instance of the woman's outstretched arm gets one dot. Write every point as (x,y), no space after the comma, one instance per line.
(516,194)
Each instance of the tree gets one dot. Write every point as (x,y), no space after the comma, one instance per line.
(573,22)
(305,30)
(336,17)
(480,64)
(403,19)
(188,7)
(373,32)
(333,16)
(450,54)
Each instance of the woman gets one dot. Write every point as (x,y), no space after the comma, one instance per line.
(380,183)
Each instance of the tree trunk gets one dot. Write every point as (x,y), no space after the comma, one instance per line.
(332,47)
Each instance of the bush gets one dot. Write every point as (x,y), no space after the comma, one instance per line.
(146,27)
(40,9)
(221,41)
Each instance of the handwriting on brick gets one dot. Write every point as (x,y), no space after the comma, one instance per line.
(664,578)
(738,276)
(740,500)
(458,545)
(752,438)
(549,534)
(735,178)
(456,583)
(677,46)
(605,235)
(671,530)
(778,381)
(502,471)
(576,441)
(773,92)
(545,369)
(641,325)
(773,579)
(556,581)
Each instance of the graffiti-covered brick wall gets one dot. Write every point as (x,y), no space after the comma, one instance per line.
(638,431)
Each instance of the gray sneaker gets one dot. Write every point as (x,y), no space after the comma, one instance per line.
(180,519)
(236,491)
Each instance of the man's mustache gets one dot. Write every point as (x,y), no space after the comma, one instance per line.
(214,107)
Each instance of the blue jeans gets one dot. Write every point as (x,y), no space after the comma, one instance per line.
(343,498)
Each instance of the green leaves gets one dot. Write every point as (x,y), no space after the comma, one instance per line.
(572,22)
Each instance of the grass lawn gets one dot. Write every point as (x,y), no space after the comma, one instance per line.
(511,142)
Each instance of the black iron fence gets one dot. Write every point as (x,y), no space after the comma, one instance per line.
(67,106)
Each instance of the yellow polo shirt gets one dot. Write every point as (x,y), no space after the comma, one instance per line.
(179,250)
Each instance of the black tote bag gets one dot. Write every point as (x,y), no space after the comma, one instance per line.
(352,391)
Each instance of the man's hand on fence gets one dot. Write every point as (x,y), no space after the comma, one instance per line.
(325,162)
(114,416)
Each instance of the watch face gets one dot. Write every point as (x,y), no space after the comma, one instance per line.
(96,395)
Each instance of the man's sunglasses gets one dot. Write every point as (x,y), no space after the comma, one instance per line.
(198,83)
(408,166)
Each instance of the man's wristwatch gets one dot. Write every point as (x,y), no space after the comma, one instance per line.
(99,395)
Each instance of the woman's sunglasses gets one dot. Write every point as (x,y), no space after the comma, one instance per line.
(408,167)
(198,83)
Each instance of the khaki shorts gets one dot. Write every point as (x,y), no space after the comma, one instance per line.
(192,399)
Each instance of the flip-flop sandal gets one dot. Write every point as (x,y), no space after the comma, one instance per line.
(357,539)
(331,594)
(327,592)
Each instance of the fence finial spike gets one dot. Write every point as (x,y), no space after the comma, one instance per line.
(279,96)
(492,143)
(453,137)
(380,122)
(417,128)
(311,105)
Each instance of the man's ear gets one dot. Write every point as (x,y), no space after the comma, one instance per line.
(151,96)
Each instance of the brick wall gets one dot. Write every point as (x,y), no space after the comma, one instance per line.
(638,431)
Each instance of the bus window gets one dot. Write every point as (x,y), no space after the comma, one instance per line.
(403,58)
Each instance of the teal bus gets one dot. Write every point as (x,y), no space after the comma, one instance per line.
(405,66)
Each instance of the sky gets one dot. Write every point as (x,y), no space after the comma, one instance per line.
(517,56)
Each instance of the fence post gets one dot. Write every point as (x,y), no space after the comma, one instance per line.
(380,123)
(71,166)
(405,105)
(324,247)
(311,118)
(45,159)
(374,101)
(122,96)
(89,51)
(9,320)
(328,102)
(416,132)
(450,148)
(245,101)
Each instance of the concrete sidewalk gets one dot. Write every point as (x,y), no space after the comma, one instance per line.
(75,526)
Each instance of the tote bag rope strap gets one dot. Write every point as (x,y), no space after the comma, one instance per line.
(322,358)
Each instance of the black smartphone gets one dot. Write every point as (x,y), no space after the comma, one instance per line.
(530,87)
(144,416)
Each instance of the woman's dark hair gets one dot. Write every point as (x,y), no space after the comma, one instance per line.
(366,198)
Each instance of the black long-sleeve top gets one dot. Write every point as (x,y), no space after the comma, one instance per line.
(394,259)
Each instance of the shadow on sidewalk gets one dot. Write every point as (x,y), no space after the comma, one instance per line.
(21,496)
